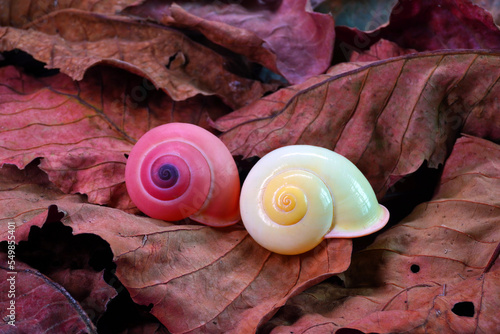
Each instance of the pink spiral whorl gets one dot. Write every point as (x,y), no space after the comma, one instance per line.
(180,170)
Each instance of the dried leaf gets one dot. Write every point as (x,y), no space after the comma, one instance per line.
(24,197)
(387,117)
(383,49)
(83,130)
(73,41)
(426,26)
(452,24)
(87,287)
(430,272)
(19,13)
(232,278)
(281,35)
(492,6)
(41,306)
(75,262)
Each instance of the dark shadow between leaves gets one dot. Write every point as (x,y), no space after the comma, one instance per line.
(30,65)
(53,249)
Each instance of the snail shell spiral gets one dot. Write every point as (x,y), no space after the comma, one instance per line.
(180,170)
(296,196)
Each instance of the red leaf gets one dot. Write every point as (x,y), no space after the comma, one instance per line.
(387,117)
(492,7)
(41,306)
(383,49)
(443,24)
(427,25)
(430,273)
(83,130)
(286,38)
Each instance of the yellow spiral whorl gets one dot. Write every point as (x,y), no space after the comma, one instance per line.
(284,200)
(295,208)
(296,196)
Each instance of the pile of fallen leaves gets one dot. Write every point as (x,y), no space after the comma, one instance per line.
(407,90)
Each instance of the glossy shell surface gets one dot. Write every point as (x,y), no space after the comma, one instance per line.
(180,170)
(296,196)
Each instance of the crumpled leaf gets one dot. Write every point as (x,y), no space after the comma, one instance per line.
(386,117)
(383,49)
(284,36)
(83,130)
(426,25)
(77,263)
(18,13)
(451,24)
(24,197)
(73,41)
(434,272)
(87,287)
(233,280)
(492,6)
(41,306)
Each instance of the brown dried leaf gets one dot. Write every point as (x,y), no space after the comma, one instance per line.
(73,41)
(284,36)
(83,130)
(430,273)
(387,117)
(232,279)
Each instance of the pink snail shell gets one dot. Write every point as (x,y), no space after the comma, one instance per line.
(180,170)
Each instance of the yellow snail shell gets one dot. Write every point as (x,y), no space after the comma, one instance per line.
(297,195)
